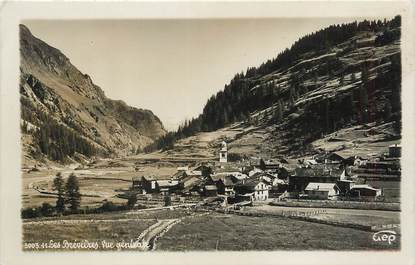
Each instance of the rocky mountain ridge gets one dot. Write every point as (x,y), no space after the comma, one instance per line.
(58,101)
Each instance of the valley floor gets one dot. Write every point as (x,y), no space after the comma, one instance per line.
(187,230)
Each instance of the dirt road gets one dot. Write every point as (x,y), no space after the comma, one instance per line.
(149,236)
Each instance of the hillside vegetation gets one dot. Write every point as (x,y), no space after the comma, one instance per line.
(66,117)
(341,76)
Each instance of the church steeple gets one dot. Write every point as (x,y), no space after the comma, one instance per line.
(223,153)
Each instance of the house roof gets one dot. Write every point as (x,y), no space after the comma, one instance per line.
(211,187)
(329,156)
(311,162)
(194,173)
(136,178)
(229,181)
(317,172)
(139,178)
(320,186)
(252,182)
(263,174)
(179,175)
(228,170)
(167,183)
(189,181)
(363,186)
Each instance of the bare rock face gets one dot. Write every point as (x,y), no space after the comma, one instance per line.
(64,112)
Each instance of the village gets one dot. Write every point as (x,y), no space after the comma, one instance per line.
(325,177)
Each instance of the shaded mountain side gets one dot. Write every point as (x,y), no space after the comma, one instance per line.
(341,76)
(65,115)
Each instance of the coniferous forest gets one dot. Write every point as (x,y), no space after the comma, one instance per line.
(52,138)
(376,97)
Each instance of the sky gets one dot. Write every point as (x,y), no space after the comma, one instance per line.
(171,66)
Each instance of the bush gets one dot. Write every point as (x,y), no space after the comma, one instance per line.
(108,206)
(31,213)
(46,209)
(167,200)
(132,200)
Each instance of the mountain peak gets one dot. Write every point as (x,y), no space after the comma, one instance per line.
(57,97)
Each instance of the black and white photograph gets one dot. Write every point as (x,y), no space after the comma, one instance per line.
(181,134)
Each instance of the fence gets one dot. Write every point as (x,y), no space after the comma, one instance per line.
(305,216)
(276,214)
(338,204)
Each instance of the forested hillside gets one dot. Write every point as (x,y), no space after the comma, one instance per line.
(66,117)
(337,77)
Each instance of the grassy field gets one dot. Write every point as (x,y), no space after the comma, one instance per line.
(78,230)
(209,232)
(230,232)
(103,182)
(111,227)
(350,216)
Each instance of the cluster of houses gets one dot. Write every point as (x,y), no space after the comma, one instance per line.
(325,176)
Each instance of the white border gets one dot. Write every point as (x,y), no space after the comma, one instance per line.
(11,13)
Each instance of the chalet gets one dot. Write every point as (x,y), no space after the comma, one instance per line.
(210,190)
(310,162)
(303,176)
(150,185)
(321,191)
(167,186)
(226,185)
(329,158)
(271,166)
(254,171)
(395,150)
(201,168)
(269,178)
(364,190)
(146,185)
(136,183)
(179,175)
(196,173)
(278,190)
(257,188)
(229,171)
(355,161)
(388,170)
(185,168)
(189,184)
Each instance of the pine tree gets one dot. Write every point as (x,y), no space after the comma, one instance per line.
(262,165)
(58,186)
(73,196)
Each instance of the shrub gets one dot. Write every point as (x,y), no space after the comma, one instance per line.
(167,200)
(46,209)
(132,200)
(31,213)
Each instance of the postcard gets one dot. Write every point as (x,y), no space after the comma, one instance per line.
(207,132)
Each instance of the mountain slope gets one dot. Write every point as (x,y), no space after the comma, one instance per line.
(65,115)
(339,77)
